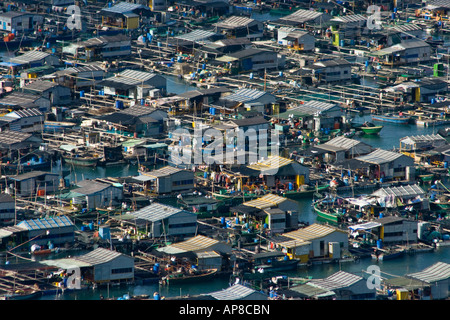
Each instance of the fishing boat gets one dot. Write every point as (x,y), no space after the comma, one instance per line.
(21,295)
(81,161)
(387,254)
(192,276)
(370,128)
(272,261)
(306,191)
(389,117)
(328,213)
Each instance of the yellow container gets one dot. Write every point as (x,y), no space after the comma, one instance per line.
(402,294)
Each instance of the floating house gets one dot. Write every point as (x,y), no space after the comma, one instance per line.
(92,194)
(435,10)
(411,144)
(404,53)
(19,21)
(383,164)
(81,77)
(124,15)
(240,26)
(35,183)
(423,90)
(138,120)
(167,180)
(251,59)
(12,141)
(160,220)
(324,241)
(19,100)
(134,84)
(404,32)
(250,99)
(296,39)
(402,196)
(340,148)
(26,120)
(58,231)
(338,286)
(347,28)
(205,252)
(281,172)
(7,208)
(32,59)
(303,18)
(104,47)
(278,213)
(436,277)
(329,71)
(99,266)
(56,93)
(315,115)
(210,7)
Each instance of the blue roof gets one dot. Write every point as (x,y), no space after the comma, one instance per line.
(9,64)
(46,223)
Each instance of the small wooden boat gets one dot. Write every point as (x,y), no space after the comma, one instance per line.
(370,128)
(387,254)
(58,125)
(272,261)
(81,161)
(388,117)
(183,277)
(306,192)
(21,295)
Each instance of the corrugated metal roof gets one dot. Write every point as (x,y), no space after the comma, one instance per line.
(267,201)
(437,272)
(273,162)
(380,156)
(163,172)
(245,95)
(350,18)
(157,211)
(339,280)
(301,16)
(124,7)
(196,35)
(66,263)
(197,243)
(407,27)
(46,223)
(311,232)
(401,191)
(98,256)
(90,187)
(343,142)
(29,56)
(10,137)
(234,22)
(235,292)
(422,138)
(132,77)
(313,107)
(25,113)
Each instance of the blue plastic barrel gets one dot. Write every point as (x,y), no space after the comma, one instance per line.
(379,243)
(81,93)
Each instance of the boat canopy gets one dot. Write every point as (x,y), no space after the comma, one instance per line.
(365,226)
